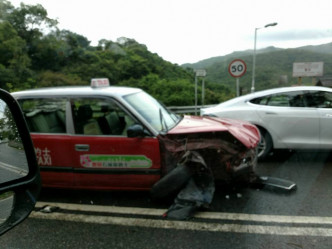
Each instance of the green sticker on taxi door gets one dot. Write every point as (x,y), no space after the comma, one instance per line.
(115,161)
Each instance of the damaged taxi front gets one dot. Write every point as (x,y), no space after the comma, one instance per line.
(228,147)
(200,151)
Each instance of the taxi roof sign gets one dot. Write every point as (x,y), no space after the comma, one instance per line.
(102,82)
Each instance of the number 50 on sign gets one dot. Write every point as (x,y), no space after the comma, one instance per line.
(237,68)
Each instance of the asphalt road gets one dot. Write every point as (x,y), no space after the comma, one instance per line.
(238,217)
(13,164)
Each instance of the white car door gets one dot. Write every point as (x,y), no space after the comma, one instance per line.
(322,101)
(325,127)
(290,123)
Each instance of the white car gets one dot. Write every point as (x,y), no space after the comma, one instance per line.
(298,117)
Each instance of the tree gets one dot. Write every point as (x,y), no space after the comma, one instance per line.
(14,59)
(74,40)
(30,21)
(6,8)
(50,79)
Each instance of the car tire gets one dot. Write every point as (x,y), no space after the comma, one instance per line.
(265,144)
(171,183)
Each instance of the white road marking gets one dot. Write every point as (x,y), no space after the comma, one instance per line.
(286,229)
(20,171)
(204,215)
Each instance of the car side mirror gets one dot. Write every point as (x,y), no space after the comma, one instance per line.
(19,174)
(136,130)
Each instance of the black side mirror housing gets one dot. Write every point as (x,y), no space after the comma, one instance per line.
(136,130)
(20,179)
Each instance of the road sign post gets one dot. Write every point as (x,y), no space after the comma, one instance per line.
(237,68)
(199,73)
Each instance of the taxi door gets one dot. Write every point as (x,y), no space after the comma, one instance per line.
(104,157)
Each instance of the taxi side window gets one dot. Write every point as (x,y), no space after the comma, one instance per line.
(45,115)
(93,116)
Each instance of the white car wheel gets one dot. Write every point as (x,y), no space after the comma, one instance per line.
(265,144)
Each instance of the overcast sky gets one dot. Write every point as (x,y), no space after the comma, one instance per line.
(187,31)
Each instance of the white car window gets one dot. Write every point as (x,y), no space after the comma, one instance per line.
(278,100)
(293,99)
(319,99)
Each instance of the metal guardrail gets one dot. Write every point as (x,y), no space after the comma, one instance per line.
(188,109)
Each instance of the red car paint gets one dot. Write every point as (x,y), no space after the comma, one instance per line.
(61,165)
(245,132)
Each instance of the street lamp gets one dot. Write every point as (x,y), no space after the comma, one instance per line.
(254,56)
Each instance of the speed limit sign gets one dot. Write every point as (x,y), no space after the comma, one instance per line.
(237,68)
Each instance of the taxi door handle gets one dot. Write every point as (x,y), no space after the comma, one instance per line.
(82,147)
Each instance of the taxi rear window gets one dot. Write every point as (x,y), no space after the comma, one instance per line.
(45,115)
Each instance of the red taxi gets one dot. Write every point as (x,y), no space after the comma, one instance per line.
(108,137)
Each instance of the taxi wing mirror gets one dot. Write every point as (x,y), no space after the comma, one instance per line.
(136,130)
(19,174)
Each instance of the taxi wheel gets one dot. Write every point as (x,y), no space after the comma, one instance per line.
(265,143)
(171,183)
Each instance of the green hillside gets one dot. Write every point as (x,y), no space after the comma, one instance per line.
(272,64)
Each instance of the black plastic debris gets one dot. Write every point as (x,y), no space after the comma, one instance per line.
(274,183)
(190,199)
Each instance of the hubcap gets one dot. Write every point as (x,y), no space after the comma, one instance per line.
(261,146)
